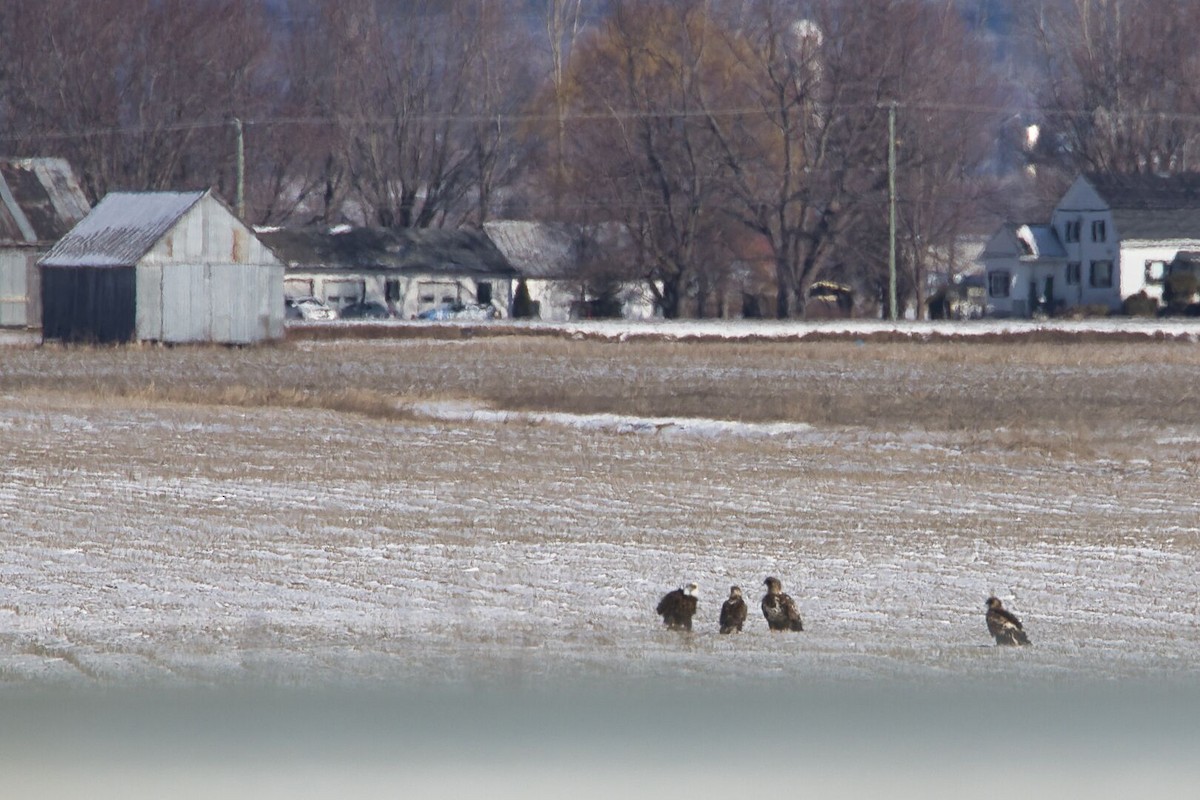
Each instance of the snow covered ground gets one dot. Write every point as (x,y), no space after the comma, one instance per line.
(478,572)
(206,544)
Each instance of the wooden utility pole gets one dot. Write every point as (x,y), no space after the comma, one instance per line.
(892,211)
(240,199)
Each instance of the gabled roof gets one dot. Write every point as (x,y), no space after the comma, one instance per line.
(121,229)
(555,250)
(40,199)
(1025,241)
(434,250)
(537,250)
(1148,192)
(1040,241)
(1152,207)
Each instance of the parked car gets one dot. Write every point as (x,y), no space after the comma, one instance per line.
(308,308)
(366,309)
(460,311)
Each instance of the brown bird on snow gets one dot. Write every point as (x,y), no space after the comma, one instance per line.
(678,607)
(1003,624)
(779,609)
(733,611)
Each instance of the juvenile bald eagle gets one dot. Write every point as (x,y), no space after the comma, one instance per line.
(1003,624)
(733,611)
(779,609)
(678,607)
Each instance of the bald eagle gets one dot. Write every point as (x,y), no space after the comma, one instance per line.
(1003,624)
(779,609)
(733,611)
(678,607)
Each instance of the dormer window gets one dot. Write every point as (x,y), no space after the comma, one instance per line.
(1071,231)
(1099,231)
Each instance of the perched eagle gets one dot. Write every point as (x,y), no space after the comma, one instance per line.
(733,611)
(779,609)
(1003,624)
(677,608)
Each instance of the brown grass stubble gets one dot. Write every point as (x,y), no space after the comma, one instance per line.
(1021,392)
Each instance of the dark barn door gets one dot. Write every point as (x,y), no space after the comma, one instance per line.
(88,304)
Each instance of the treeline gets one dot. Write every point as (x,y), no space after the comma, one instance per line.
(743,144)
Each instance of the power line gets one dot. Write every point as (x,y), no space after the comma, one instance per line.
(1029,113)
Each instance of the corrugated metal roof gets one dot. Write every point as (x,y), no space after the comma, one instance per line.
(40,199)
(428,250)
(121,229)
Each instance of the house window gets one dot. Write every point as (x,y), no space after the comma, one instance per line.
(1099,231)
(1074,273)
(1102,274)
(1156,272)
(391,290)
(1071,233)
(483,293)
(998,283)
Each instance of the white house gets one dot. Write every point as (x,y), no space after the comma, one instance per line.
(572,271)
(171,267)
(1109,237)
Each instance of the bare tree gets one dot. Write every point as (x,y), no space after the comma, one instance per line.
(403,107)
(638,152)
(138,93)
(563,26)
(1120,86)
(296,172)
(502,89)
(807,157)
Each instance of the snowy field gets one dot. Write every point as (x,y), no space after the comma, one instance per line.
(461,575)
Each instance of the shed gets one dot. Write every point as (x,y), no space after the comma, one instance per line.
(40,200)
(410,270)
(172,267)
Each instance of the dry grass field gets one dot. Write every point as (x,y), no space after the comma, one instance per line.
(362,513)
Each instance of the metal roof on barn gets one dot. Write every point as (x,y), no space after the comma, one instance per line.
(121,229)
(413,250)
(1152,207)
(40,200)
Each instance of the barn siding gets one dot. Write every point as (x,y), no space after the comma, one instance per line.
(149,311)
(186,303)
(218,282)
(88,304)
(15,287)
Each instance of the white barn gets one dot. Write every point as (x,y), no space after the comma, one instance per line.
(171,267)
(1108,238)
